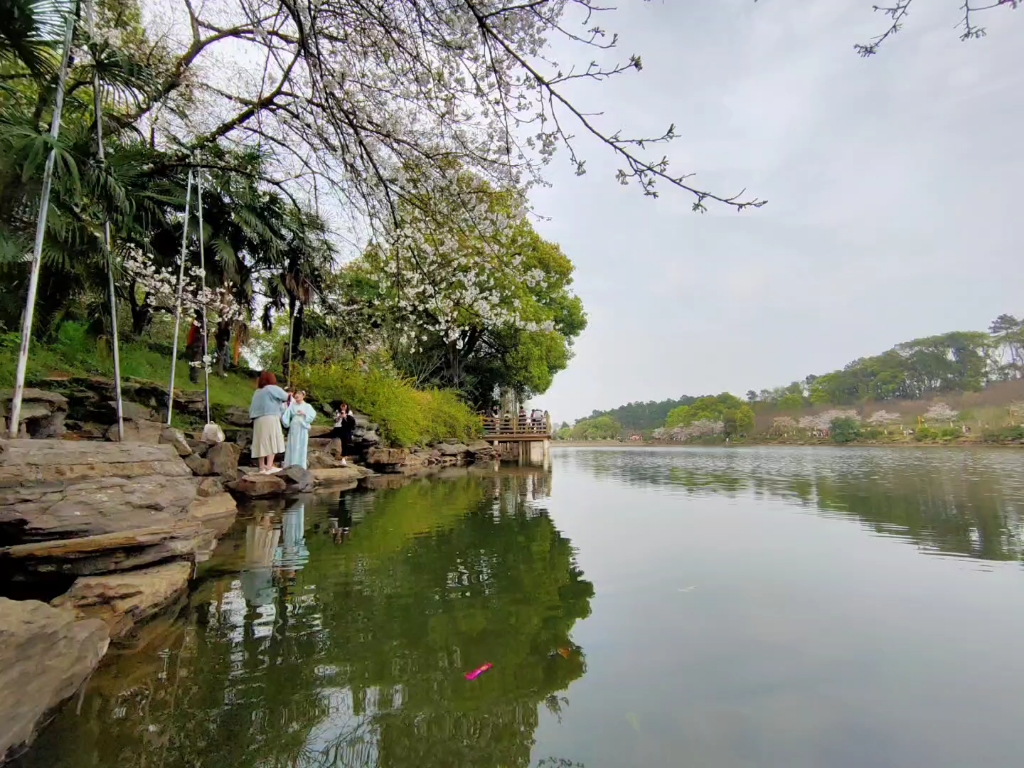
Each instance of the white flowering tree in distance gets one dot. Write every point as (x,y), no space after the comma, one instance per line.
(941,413)
(465,276)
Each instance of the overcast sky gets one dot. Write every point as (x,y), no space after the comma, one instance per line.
(893,185)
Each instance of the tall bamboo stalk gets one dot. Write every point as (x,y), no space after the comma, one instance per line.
(101,155)
(177,305)
(37,248)
(202,267)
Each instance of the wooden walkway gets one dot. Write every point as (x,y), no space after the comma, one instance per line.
(510,429)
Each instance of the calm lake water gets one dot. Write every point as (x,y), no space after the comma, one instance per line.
(703,608)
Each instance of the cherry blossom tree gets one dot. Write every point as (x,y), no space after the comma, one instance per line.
(698,429)
(783,425)
(466,294)
(823,421)
(940,412)
(882,418)
(348,94)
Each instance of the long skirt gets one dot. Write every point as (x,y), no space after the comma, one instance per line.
(267,437)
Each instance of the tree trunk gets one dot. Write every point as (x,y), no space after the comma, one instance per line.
(223,340)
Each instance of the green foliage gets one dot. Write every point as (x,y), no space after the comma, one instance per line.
(790,402)
(601,428)
(844,430)
(1013,434)
(642,417)
(738,421)
(923,434)
(712,408)
(407,416)
(958,361)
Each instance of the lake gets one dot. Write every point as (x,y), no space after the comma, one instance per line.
(711,608)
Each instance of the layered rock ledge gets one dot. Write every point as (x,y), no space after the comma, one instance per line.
(111,532)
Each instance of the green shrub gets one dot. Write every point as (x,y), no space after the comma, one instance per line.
(844,430)
(950,433)
(926,433)
(407,416)
(1004,435)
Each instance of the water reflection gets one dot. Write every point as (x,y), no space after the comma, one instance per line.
(292,554)
(344,639)
(952,502)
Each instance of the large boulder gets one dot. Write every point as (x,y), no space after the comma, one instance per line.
(137,432)
(30,462)
(297,479)
(223,459)
(77,508)
(199,465)
(92,507)
(451,449)
(237,417)
(209,486)
(45,656)
(387,457)
(123,600)
(257,486)
(481,450)
(131,411)
(42,413)
(199,447)
(176,439)
(339,476)
(323,460)
(107,552)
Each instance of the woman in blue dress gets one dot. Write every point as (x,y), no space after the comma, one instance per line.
(298,417)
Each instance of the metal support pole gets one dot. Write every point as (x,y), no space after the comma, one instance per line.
(202,268)
(291,332)
(177,307)
(101,156)
(37,248)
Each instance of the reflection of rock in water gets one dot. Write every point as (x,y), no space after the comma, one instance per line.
(261,540)
(362,666)
(293,554)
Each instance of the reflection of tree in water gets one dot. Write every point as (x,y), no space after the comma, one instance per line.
(366,659)
(954,502)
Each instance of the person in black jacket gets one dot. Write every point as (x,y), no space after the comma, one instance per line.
(344,425)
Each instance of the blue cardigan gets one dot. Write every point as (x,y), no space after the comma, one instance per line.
(267,401)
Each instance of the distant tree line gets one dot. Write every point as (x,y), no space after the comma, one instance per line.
(640,416)
(959,361)
(920,369)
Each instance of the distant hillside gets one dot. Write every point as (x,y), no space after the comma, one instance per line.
(640,417)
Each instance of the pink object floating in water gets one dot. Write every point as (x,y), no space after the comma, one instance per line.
(477,672)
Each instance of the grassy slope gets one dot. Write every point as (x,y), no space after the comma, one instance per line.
(407,416)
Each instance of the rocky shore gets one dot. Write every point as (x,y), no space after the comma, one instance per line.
(98,536)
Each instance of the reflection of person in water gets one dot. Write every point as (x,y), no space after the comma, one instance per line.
(293,553)
(341,525)
(261,539)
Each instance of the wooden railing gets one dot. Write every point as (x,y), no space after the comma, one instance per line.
(516,427)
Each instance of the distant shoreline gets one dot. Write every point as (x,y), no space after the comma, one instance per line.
(766,444)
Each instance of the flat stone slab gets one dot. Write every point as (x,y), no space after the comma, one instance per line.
(93,507)
(122,600)
(45,656)
(108,552)
(29,462)
(258,486)
(339,475)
